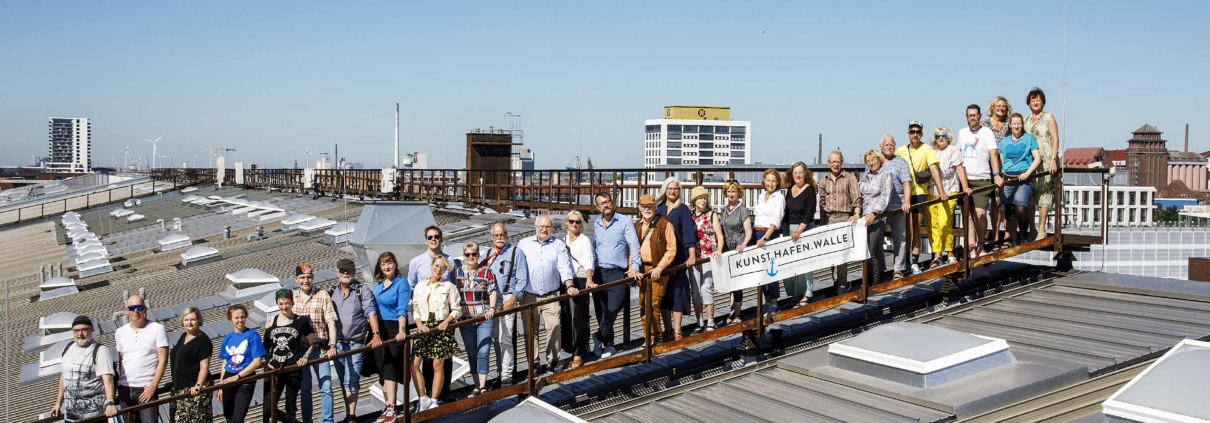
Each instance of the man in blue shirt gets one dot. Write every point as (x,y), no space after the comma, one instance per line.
(902,181)
(617,248)
(512,275)
(549,266)
(420,267)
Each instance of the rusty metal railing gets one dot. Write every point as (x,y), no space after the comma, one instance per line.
(533,383)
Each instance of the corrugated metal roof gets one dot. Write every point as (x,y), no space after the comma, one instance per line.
(1097,325)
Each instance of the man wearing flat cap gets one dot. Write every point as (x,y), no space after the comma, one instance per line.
(356,325)
(657,249)
(86,385)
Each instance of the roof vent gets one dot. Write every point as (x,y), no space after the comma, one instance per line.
(248,284)
(174,241)
(339,233)
(199,254)
(292,222)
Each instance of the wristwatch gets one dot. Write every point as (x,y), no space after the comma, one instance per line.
(375,333)
(110,403)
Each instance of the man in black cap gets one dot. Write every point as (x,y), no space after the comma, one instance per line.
(86,384)
(357,320)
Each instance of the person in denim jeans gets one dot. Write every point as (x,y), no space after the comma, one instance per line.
(1020,153)
(316,305)
(477,288)
(357,316)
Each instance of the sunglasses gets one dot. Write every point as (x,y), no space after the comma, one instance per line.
(574,222)
(915,132)
(941,137)
(470,254)
(136,308)
(432,237)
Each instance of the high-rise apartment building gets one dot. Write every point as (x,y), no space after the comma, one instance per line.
(70,145)
(697,136)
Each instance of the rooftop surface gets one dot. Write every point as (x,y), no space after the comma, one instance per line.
(1091,321)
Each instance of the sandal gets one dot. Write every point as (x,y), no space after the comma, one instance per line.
(475,392)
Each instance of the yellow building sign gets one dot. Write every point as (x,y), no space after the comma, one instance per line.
(697,112)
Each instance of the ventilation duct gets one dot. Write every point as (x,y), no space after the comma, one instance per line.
(390,226)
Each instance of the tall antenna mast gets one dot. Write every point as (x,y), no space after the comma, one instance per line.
(396,135)
(580,134)
(1059,149)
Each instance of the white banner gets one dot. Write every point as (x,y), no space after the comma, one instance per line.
(819,248)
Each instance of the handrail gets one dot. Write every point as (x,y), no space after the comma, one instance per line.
(757,323)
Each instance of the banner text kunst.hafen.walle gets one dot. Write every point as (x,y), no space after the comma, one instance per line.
(816,249)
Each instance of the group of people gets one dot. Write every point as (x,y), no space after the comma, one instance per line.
(1005,149)
(668,232)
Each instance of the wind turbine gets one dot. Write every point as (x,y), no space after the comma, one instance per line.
(308,154)
(125,155)
(153,150)
(194,162)
(137,161)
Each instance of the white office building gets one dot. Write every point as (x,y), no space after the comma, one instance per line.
(1128,206)
(70,145)
(697,136)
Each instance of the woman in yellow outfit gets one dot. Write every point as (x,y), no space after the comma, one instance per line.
(953,180)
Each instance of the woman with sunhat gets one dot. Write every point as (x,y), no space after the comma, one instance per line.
(709,245)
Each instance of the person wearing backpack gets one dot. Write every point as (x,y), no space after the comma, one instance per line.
(356,325)
(86,377)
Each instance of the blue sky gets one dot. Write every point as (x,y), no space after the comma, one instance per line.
(267,79)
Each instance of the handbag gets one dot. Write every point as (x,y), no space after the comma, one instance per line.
(922,177)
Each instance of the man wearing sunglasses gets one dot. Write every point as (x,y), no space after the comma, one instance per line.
(142,348)
(922,160)
(421,266)
(980,158)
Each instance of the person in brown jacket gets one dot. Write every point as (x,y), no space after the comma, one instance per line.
(657,239)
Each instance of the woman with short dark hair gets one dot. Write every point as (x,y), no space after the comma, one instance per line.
(392,293)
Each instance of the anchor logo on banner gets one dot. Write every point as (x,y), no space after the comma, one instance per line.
(771,272)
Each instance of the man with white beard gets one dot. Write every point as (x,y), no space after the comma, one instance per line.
(86,386)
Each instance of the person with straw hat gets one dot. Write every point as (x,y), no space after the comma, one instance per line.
(709,236)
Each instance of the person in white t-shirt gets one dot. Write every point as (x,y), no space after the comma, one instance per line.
(85,377)
(980,158)
(143,349)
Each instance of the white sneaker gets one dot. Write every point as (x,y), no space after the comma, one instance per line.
(597,347)
(422,404)
(433,403)
(952,260)
(915,269)
(607,352)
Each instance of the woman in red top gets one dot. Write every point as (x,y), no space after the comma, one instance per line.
(709,233)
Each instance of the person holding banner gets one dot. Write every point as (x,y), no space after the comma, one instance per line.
(737,231)
(676,300)
(799,217)
(701,278)
(657,249)
(770,209)
(839,200)
(876,190)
